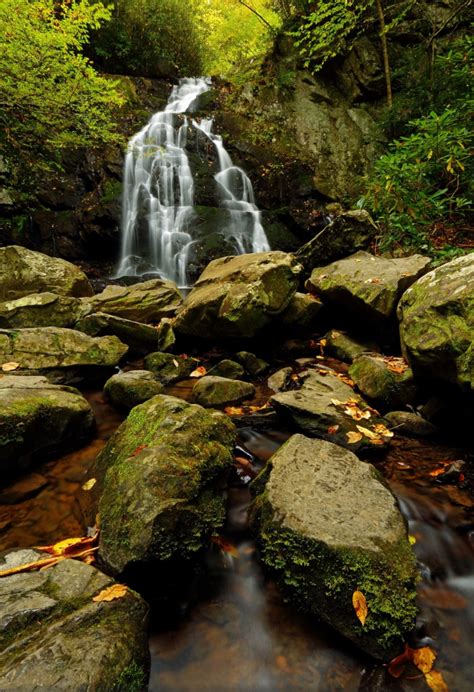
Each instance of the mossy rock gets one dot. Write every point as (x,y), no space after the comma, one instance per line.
(40,310)
(147,302)
(345,347)
(128,389)
(227,368)
(140,338)
(301,313)
(382,386)
(168,368)
(215,392)
(328,526)
(162,475)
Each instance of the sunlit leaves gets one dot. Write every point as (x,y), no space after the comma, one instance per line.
(111,593)
(360,606)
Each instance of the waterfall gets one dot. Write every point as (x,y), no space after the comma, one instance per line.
(158,194)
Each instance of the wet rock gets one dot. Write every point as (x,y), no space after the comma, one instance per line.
(168,368)
(410,424)
(228,368)
(63,355)
(437,323)
(128,389)
(24,271)
(54,636)
(38,419)
(166,335)
(212,391)
(320,409)
(301,313)
(139,337)
(384,387)
(23,489)
(346,233)
(162,474)
(253,365)
(329,526)
(280,380)
(40,310)
(344,347)
(363,286)
(235,297)
(149,301)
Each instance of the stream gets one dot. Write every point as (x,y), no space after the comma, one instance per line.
(233,630)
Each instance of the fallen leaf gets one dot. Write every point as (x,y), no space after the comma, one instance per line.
(70,546)
(353,437)
(332,430)
(8,367)
(438,472)
(111,593)
(360,606)
(435,681)
(199,372)
(137,451)
(412,540)
(282,664)
(368,433)
(88,485)
(381,429)
(424,659)
(234,410)
(175,363)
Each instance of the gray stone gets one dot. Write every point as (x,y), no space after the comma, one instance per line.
(344,347)
(253,365)
(128,389)
(139,337)
(380,384)
(330,526)
(168,368)
(227,368)
(410,424)
(280,379)
(212,391)
(40,310)
(301,313)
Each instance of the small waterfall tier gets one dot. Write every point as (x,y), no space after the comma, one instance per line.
(160,223)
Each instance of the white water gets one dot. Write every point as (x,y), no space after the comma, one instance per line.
(158,195)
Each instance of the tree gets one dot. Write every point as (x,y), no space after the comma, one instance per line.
(51,97)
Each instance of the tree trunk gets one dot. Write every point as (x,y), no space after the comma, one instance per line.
(386,60)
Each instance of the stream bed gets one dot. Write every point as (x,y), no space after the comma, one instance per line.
(233,631)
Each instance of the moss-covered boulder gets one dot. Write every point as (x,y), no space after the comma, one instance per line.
(40,310)
(410,424)
(235,297)
(38,419)
(345,347)
(24,271)
(140,338)
(253,364)
(327,407)
(301,312)
(162,475)
(212,391)
(53,635)
(147,302)
(329,526)
(128,389)
(363,286)
(63,355)
(227,368)
(437,323)
(168,368)
(386,382)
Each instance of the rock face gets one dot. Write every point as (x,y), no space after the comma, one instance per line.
(24,271)
(212,391)
(382,382)
(140,338)
(54,636)
(301,313)
(328,408)
(329,526)
(162,477)
(437,323)
(40,310)
(37,419)
(143,302)
(61,354)
(128,389)
(363,286)
(168,368)
(235,297)
(344,347)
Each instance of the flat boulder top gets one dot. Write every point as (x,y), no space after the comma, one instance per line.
(325,493)
(148,301)
(24,271)
(243,268)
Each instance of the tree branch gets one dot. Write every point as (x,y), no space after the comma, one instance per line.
(257,14)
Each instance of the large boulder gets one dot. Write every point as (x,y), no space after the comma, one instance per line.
(437,323)
(24,271)
(149,301)
(40,310)
(213,391)
(235,297)
(365,287)
(329,527)
(168,368)
(63,355)
(38,419)
(326,406)
(386,382)
(345,347)
(53,635)
(140,338)
(128,389)
(162,475)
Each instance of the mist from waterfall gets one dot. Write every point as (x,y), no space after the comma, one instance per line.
(158,194)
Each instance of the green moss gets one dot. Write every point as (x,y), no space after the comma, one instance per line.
(111,191)
(132,679)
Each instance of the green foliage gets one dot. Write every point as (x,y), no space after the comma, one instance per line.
(152,38)
(51,97)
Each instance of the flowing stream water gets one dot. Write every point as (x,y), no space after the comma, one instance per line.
(158,193)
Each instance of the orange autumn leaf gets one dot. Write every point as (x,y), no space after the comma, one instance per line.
(199,372)
(424,659)
(435,681)
(70,547)
(139,449)
(353,437)
(234,410)
(437,472)
(8,367)
(111,593)
(360,606)
(332,430)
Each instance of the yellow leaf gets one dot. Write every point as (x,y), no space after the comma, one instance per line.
(424,659)
(368,433)
(88,485)
(8,367)
(412,540)
(435,681)
(360,606)
(353,437)
(381,429)
(199,372)
(111,593)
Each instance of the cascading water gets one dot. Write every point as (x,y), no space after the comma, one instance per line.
(158,196)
